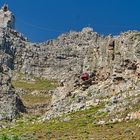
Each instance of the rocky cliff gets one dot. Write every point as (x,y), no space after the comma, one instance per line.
(112,62)
(10,103)
(113,65)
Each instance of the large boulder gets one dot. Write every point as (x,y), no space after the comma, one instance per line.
(10,103)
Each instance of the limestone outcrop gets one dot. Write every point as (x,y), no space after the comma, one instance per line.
(10,103)
(7,19)
(112,62)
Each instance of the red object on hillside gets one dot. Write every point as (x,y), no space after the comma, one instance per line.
(85,76)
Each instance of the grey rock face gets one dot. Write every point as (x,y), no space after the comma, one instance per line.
(7,19)
(10,103)
(58,59)
(113,64)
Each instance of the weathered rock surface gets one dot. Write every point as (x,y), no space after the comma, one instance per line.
(113,64)
(7,19)
(10,103)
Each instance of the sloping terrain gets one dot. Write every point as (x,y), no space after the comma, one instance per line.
(111,62)
(42,84)
(74,126)
(113,66)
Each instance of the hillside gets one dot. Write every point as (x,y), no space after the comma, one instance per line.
(42,87)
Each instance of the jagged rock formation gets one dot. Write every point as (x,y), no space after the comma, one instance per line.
(7,19)
(113,64)
(10,103)
(57,59)
(7,96)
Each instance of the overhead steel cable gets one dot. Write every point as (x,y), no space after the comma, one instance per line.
(39,27)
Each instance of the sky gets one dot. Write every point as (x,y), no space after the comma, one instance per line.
(41,20)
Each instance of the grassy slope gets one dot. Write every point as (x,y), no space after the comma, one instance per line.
(79,125)
(39,84)
(29,99)
(73,126)
(41,87)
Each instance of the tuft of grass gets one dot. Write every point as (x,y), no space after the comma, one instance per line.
(13,137)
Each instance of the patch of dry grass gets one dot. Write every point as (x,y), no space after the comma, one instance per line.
(80,126)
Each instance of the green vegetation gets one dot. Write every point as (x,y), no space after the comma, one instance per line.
(36,96)
(73,126)
(37,84)
(7,137)
(33,84)
(76,126)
